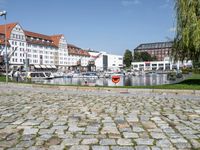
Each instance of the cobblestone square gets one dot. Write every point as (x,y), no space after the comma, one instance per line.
(37,118)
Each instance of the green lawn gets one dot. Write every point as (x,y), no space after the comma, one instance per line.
(192,83)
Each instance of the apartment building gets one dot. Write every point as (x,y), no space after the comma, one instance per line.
(77,57)
(41,51)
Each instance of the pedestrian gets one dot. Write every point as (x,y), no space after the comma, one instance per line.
(17,76)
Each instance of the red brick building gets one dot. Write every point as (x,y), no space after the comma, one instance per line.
(159,49)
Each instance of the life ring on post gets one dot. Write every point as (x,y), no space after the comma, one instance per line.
(115,79)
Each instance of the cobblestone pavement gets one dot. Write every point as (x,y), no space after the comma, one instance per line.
(46,118)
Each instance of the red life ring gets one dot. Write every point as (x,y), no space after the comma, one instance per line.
(115,79)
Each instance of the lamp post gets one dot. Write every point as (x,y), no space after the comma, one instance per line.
(4,13)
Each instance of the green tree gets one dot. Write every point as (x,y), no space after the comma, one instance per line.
(143,56)
(187,41)
(128,58)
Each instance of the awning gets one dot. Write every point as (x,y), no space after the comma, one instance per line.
(43,66)
(37,66)
(48,66)
(53,66)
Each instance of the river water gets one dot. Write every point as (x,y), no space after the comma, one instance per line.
(148,79)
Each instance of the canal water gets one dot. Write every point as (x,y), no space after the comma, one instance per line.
(148,79)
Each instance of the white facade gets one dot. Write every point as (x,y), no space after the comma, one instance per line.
(115,62)
(160,65)
(17,42)
(46,52)
(38,49)
(73,59)
(105,61)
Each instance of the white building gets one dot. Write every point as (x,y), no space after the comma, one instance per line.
(45,52)
(41,51)
(105,61)
(77,57)
(167,64)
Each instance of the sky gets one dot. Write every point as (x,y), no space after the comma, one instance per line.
(103,25)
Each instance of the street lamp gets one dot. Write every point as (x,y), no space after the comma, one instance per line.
(4,13)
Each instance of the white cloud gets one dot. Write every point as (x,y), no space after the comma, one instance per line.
(126,3)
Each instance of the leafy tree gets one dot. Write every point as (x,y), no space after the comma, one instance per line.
(143,56)
(128,58)
(187,41)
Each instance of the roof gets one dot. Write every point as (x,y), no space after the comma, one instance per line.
(157,45)
(56,39)
(40,39)
(9,28)
(74,50)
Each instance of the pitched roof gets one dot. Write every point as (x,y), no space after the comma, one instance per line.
(37,35)
(40,39)
(56,39)
(43,39)
(74,50)
(9,28)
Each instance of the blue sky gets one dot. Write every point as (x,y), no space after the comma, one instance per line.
(108,25)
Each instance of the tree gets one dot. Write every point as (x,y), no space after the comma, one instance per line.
(128,58)
(143,56)
(187,41)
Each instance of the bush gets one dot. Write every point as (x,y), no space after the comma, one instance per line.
(186,70)
(196,70)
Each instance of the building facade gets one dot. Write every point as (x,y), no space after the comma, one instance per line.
(104,61)
(159,49)
(39,50)
(35,51)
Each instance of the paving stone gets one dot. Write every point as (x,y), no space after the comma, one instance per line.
(121,148)
(142,148)
(109,130)
(128,135)
(55,147)
(30,131)
(144,141)
(155,148)
(67,142)
(124,142)
(79,147)
(107,142)
(89,141)
(100,147)
(156,135)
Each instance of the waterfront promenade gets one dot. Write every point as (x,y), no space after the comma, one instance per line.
(42,117)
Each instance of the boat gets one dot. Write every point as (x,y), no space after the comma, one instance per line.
(89,75)
(36,76)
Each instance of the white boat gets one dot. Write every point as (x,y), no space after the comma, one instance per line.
(36,76)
